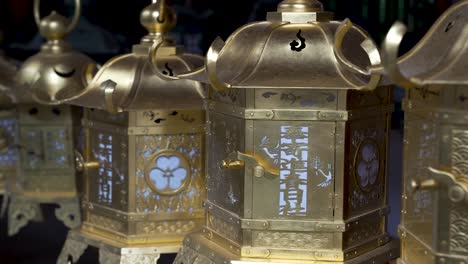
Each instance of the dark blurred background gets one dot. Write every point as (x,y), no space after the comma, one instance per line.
(110,27)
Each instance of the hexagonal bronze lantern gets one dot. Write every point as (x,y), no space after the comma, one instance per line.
(297,144)
(434,219)
(48,135)
(147,136)
(8,153)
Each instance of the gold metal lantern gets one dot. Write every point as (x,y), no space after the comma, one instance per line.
(144,151)
(434,216)
(48,134)
(8,154)
(297,144)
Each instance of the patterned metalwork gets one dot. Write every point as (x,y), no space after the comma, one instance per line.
(47,135)
(143,156)
(296,155)
(435,191)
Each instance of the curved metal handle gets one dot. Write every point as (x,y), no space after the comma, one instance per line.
(211,66)
(81,165)
(154,61)
(457,184)
(239,160)
(71,26)
(108,88)
(368,46)
(390,48)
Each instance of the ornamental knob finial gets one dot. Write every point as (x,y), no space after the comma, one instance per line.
(300,6)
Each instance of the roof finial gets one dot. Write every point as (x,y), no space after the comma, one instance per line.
(56,26)
(300,6)
(158,18)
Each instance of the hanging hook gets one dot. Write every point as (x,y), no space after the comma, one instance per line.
(71,26)
(390,49)
(368,45)
(154,61)
(211,66)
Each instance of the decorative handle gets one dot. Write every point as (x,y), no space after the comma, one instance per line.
(368,46)
(457,184)
(211,66)
(154,61)
(81,165)
(239,160)
(108,88)
(390,48)
(71,26)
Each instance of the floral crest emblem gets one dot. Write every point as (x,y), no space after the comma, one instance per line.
(168,173)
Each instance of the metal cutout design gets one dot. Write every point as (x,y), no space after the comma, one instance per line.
(169,71)
(367,165)
(105,171)
(168,173)
(296,46)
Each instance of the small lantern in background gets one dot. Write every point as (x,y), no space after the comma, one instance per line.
(434,219)
(48,135)
(147,136)
(8,153)
(297,145)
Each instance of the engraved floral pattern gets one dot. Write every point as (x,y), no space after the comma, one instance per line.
(291,240)
(368,164)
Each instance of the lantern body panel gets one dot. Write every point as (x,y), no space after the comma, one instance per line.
(149,186)
(9,155)
(433,227)
(48,136)
(297,175)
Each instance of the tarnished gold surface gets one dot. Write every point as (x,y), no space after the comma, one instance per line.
(434,203)
(8,153)
(147,136)
(48,135)
(296,166)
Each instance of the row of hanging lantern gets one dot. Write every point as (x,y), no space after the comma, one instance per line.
(297,122)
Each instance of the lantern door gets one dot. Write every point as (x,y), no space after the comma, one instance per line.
(299,161)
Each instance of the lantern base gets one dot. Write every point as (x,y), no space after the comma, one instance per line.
(110,252)
(199,249)
(23,209)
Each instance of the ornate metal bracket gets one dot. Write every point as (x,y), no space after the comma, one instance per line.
(239,160)
(368,46)
(108,88)
(457,185)
(81,165)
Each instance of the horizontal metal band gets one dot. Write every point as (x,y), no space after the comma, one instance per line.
(298,114)
(169,129)
(377,213)
(115,129)
(371,112)
(143,131)
(276,225)
(278,114)
(201,245)
(366,246)
(134,217)
(121,244)
(8,113)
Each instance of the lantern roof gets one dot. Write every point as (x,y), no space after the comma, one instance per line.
(300,46)
(57,70)
(135,82)
(440,58)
